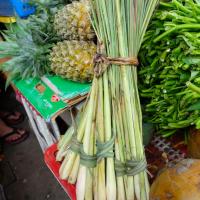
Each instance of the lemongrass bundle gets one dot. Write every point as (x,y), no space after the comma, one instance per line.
(105,156)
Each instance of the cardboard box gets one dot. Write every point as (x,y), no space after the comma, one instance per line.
(47,98)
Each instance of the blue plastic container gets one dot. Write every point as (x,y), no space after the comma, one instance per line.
(6,8)
(22,8)
(13,7)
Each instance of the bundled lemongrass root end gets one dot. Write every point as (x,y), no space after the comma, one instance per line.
(105,156)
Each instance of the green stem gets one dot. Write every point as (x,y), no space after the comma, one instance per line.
(193,87)
(178,27)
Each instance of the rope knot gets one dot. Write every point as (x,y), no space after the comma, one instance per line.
(102,62)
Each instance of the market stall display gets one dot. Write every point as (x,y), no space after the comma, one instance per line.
(102,51)
(36,49)
(28,47)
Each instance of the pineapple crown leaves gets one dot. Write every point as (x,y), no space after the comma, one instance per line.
(28,59)
(41,24)
(42,30)
(29,42)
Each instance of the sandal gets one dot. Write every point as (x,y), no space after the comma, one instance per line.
(8,121)
(15,131)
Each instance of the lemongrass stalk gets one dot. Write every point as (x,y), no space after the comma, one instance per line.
(143,175)
(89,183)
(67,166)
(118,150)
(83,171)
(95,172)
(100,178)
(125,153)
(117,131)
(120,155)
(120,182)
(110,170)
(81,184)
(92,150)
(130,191)
(74,173)
(65,140)
(138,179)
(95,186)
(60,142)
(63,167)
(62,147)
(90,171)
(101,185)
(138,135)
(132,115)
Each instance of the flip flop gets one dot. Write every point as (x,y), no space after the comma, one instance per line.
(13,121)
(16,141)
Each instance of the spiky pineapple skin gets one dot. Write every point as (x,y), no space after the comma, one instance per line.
(72,22)
(73,60)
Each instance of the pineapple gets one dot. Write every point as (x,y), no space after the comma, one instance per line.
(72,22)
(28,43)
(73,60)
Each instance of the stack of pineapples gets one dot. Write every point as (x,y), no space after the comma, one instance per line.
(61,42)
(73,57)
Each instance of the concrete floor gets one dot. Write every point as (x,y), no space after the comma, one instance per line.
(33,180)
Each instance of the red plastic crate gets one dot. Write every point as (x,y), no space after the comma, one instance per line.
(49,158)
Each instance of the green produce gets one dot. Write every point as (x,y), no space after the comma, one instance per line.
(29,42)
(28,59)
(170,67)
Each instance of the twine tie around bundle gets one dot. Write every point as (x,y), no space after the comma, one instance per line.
(102,62)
